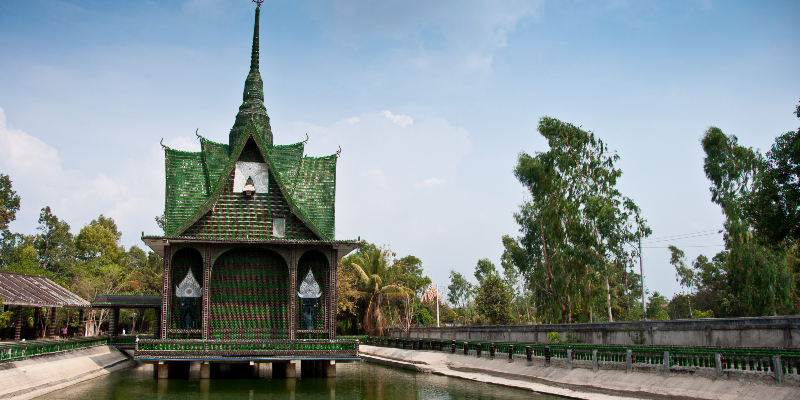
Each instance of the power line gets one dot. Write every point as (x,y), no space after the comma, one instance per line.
(684,234)
(685,237)
(666,247)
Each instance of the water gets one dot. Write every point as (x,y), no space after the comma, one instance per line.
(358,380)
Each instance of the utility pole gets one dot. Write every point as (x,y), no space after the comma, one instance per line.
(437,305)
(641,272)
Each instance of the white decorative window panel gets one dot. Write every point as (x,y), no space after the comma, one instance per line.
(278,227)
(257,171)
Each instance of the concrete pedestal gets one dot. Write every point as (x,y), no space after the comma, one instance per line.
(205,370)
(264,370)
(329,370)
(291,369)
(194,369)
(163,370)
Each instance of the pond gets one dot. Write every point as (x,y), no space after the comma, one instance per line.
(357,380)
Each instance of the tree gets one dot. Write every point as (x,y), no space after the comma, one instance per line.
(774,209)
(459,292)
(656,307)
(684,275)
(493,301)
(372,266)
(758,275)
(576,224)
(54,243)
(9,202)
(484,269)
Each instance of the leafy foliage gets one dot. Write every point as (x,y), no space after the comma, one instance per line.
(575,227)
(9,202)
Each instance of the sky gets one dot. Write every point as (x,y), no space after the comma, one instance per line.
(430,102)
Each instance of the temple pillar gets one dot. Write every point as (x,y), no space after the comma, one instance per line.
(205,370)
(166,292)
(36,317)
(51,327)
(18,325)
(81,324)
(293,294)
(113,320)
(156,323)
(206,299)
(330,313)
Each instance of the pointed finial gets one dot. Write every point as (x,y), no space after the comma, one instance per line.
(306,141)
(254,53)
(162,144)
(197,134)
(339,152)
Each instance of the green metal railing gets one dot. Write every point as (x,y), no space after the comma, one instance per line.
(190,348)
(21,350)
(775,361)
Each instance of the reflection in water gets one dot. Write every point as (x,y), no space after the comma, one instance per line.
(360,381)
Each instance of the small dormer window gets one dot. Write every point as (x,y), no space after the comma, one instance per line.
(279,227)
(249,187)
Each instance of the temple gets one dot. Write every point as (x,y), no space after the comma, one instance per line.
(249,251)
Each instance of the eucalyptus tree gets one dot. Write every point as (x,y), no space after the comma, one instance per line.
(576,223)
(757,272)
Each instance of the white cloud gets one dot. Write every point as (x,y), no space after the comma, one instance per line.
(123,191)
(465,30)
(381,169)
(183,143)
(400,119)
(430,182)
(352,120)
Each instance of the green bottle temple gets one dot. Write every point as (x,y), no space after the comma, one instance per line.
(249,246)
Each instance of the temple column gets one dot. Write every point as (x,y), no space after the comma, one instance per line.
(113,319)
(206,299)
(166,292)
(81,324)
(330,313)
(293,294)
(36,317)
(157,323)
(18,325)
(51,327)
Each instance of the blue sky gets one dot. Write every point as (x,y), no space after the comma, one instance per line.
(430,101)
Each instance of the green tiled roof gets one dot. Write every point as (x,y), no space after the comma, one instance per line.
(186,186)
(195,182)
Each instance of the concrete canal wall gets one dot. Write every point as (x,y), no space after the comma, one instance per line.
(782,332)
(582,382)
(43,374)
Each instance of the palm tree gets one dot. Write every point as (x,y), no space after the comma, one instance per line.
(374,271)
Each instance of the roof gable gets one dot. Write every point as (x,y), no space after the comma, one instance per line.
(251,133)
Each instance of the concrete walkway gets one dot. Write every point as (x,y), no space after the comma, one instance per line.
(40,375)
(580,383)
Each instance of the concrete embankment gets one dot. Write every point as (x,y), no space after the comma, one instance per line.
(581,382)
(40,375)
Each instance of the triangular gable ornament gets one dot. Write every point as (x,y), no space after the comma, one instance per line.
(309,289)
(189,287)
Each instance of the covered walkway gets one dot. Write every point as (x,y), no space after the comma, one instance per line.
(20,291)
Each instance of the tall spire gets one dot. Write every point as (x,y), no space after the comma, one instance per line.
(252,108)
